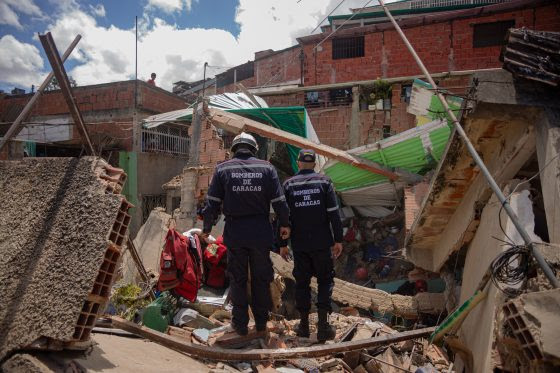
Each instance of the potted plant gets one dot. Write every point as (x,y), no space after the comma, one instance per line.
(381,94)
(365,99)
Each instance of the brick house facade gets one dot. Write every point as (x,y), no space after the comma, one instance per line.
(447,42)
(108,111)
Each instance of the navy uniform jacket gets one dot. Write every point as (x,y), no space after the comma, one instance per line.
(245,186)
(313,211)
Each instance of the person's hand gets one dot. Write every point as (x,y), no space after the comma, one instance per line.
(285,253)
(285,232)
(207,238)
(336,250)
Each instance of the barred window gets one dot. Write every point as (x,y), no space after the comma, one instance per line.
(348,47)
(490,34)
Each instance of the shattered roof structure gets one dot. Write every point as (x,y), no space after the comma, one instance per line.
(60,241)
(292,119)
(533,55)
(499,122)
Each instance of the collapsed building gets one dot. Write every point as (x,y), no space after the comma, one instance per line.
(405,186)
(461,227)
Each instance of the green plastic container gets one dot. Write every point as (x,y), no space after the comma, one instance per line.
(158,315)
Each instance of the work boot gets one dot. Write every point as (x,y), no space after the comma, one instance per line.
(241,330)
(303,327)
(324,330)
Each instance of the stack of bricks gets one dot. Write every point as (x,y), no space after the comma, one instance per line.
(211,151)
(413,198)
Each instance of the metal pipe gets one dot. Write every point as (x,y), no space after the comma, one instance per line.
(136,65)
(16,125)
(487,175)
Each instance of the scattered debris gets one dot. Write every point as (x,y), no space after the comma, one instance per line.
(533,55)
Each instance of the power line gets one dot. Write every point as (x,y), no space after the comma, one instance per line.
(339,27)
(294,56)
(327,16)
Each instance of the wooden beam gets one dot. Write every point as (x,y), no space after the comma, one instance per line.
(139,265)
(222,354)
(237,124)
(17,124)
(58,68)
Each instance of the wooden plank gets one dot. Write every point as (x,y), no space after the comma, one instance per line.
(58,68)
(17,124)
(236,124)
(221,354)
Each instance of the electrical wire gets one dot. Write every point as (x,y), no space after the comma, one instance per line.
(295,56)
(327,16)
(510,269)
(339,27)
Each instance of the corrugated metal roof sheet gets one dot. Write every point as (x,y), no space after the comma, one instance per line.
(416,150)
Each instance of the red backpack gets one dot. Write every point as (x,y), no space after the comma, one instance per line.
(215,260)
(181,265)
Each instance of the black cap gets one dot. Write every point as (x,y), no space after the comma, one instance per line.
(306,155)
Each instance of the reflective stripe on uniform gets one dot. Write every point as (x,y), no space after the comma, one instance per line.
(214,198)
(251,165)
(306,182)
(281,198)
(332,209)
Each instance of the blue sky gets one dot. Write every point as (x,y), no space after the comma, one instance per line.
(176,36)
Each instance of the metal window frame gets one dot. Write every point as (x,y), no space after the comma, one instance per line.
(348,47)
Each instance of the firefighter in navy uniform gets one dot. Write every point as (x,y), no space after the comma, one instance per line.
(314,219)
(244,188)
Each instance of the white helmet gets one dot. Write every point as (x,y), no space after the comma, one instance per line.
(244,138)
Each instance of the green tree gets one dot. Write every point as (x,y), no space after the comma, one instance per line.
(54,84)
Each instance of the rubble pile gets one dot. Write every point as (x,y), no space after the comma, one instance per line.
(372,251)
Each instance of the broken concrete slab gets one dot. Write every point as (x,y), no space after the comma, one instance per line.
(149,244)
(61,231)
(535,320)
(24,363)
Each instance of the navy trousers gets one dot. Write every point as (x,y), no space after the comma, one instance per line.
(309,263)
(240,260)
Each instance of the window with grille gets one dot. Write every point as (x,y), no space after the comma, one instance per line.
(166,139)
(490,34)
(348,47)
(150,202)
(328,98)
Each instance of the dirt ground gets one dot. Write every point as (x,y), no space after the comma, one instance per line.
(135,355)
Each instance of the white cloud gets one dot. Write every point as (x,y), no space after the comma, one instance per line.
(9,9)
(106,54)
(170,6)
(20,63)
(97,10)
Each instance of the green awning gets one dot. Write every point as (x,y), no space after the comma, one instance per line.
(417,150)
(291,119)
